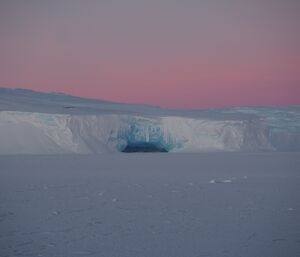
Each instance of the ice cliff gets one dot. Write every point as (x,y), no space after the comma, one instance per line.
(37,133)
(90,126)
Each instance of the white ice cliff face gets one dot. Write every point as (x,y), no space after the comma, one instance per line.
(42,133)
(45,123)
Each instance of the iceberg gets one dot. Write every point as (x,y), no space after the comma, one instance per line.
(89,128)
(64,133)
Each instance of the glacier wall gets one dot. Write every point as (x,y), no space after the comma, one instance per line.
(42,133)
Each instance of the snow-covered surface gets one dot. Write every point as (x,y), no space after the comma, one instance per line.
(44,123)
(241,200)
(150,205)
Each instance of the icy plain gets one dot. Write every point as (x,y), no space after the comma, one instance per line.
(228,187)
(146,205)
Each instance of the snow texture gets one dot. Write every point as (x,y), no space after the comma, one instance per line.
(146,205)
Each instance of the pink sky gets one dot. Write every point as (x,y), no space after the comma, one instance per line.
(170,53)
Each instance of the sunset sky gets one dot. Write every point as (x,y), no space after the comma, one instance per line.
(172,53)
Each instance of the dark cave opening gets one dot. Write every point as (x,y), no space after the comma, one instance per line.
(144,148)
